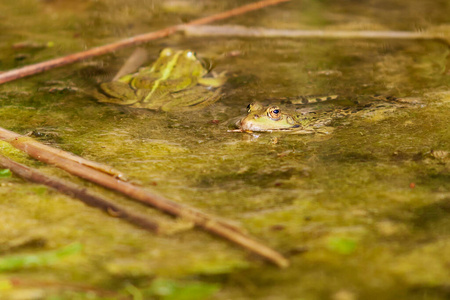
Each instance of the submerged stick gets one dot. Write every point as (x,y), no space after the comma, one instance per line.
(73,190)
(200,219)
(9,135)
(72,58)
(242,31)
(136,59)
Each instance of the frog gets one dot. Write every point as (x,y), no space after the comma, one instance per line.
(267,118)
(272,118)
(316,114)
(177,80)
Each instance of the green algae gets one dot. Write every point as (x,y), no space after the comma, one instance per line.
(171,290)
(362,213)
(18,262)
(342,245)
(5,173)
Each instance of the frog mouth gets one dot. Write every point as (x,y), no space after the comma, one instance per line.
(258,128)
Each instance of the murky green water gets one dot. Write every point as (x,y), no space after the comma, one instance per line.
(361,214)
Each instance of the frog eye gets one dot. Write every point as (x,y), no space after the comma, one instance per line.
(274,113)
(190,55)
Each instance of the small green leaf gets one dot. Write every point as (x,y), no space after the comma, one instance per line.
(5,173)
(342,245)
(162,287)
(171,290)
(42,259)
(195,291)
(134,292)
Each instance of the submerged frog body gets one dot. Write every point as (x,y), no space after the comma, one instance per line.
(175,81)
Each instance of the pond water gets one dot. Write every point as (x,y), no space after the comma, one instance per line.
(361,213)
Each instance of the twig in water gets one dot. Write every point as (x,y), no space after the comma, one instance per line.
(10,136)
(200,219)
(69,59)
(78,192)
(136,59)
(242,31)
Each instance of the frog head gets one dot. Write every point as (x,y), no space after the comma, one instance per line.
(271,118)
(188,63)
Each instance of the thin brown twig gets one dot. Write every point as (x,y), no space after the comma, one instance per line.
(72,58)
(9,135)
(78,192)
(200,219)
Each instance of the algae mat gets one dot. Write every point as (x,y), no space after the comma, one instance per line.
(362,213)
